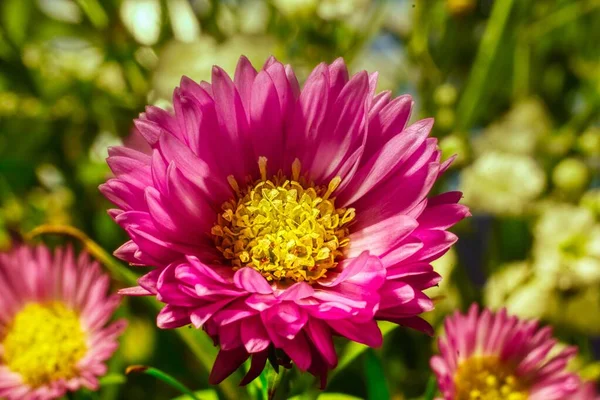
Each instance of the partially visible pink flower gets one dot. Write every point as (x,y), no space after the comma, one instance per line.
(586,391)
(54,331)
(277,217)
(496,356)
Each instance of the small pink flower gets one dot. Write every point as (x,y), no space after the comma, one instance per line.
(277,217)
(496,356)
(586,391)
(54,332)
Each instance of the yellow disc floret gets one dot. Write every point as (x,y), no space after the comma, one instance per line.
(487,378)
(286,229)
(44,343)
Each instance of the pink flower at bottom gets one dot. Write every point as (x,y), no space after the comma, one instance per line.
(54,331)
(276,217)
(586,391)
(491,356)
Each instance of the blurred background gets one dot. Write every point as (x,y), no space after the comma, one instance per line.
(514,87)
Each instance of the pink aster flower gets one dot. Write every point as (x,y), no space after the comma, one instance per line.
(277,217)
(586,391)
(54,336)
(495,356)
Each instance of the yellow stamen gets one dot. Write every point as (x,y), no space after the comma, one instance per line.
(288,230)
(262,166)
(233,183)
(335,182)
(44,343)
(487,378)
(296,167)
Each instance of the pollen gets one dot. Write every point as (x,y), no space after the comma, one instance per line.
(487,378)
(44,343)
(289,230)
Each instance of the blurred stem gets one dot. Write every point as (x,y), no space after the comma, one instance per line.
(163,376)
(372,27)
(431,388)
(94,11)
(563,16)
(521,69)
(117,270)
(476,86)
(197,341)
(276,384)
(419,45)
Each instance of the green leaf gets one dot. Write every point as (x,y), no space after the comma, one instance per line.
(112,379)
(329,396)
(15,19)
(206,394)
(163,376)
(375,377)
(431,388)
(94,11)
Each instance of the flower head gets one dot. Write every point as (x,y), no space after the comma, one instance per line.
(496,356)
(277,217)
(567,246)
(494,183)
(586,391)
(54,336)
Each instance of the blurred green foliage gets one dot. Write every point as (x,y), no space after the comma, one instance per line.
(514,87)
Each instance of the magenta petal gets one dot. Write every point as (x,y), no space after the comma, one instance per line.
(297,291)
(320,335)
(199,315)
(172,317)
(243,79)
(256,367)
(363,270)
(135,291)
(254,335)
(367,333)
(284,321)
(299,351)
(226,364)
(381,237)
(267,122)
(251,280)
(386,161)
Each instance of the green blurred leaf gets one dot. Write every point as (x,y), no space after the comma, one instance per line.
(328,396)
(15,19)
(375,377)
(112,379)
(94,11)
(431,388)
(338,396)
(207,394)
(163,376)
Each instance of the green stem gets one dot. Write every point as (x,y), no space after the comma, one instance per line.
(431,388)
(163,376)
(563,16)
(476,85)
(521,67)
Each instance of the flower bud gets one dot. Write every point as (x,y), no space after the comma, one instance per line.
(570,175)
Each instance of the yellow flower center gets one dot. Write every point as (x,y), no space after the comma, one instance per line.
(286,229)
(44,343)
(487,378)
